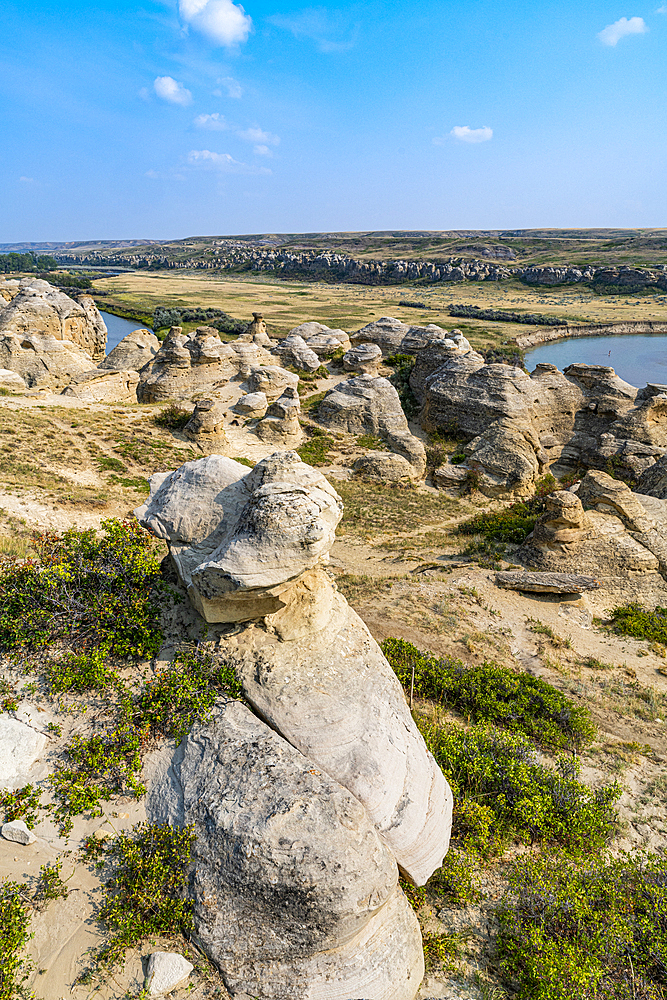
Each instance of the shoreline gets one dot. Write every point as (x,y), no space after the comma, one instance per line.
(551,334)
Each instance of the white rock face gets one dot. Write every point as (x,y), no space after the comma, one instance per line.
(394,336)
(134,351)
(41,310)
(365,359)
(18,832)
(253,404)
(104,386)
(272,380)
(166,971)
(296,893)
(11,381)
(20,747)
(240,537)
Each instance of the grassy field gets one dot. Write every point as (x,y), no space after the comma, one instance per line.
(286,304)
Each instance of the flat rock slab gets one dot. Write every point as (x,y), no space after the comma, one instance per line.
(546,583)
(166,971)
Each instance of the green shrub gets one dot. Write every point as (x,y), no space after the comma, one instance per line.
(588,930)
(173,417)
(21,804)
(50,885)
(530,802)
(14,935)
(146,894)
(639,622)
(184,693)
(311,403)
(93,592)
(490,693)
(403,365)
(82,672)
(513,523)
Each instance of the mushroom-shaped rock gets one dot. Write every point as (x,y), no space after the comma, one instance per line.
(206,425)
(133,352)
(256,331)
(252,548)
(295,892)
(186,366)
(252,404)
(364,358)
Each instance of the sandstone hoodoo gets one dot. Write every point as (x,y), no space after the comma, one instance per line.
(39,309)
(134,351)
(349,772)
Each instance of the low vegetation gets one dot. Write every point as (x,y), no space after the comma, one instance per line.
(316,449)
(639,622)
(14,935)
(489,693)
(173,417)
(515,522)
(505,316)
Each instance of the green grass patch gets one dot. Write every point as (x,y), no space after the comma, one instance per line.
(513,523)
(490,693)
(316,450)
(311,403)
(639,622)
(591,930)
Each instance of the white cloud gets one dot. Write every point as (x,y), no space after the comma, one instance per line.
(259,135)
(232,86)
(215,122)
(465,134)
(612,34)
(171,90)
(263,151)
(662,10)
(222,21)
(27,180)
(222,162)
(329,29)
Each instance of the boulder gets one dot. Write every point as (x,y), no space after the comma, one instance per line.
(10,381)
(104,386)
(294,352)
(295,892)
(364,358)
(281,423)
(42,361)
(166,971)
(384,466)
(134,351)
(39,309)
(394,337)
(619,539)
(20,747)
(370,405)
(18,832)
(252,404)
(186,366)
(321,339)
(206,426)
(271,380)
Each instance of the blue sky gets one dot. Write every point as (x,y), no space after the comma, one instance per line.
(167,118)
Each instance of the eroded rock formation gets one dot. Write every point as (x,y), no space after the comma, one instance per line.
(395,337)
(104,386)
(133,352)
(40,310)
(370,405)
(607,531)
(301,817)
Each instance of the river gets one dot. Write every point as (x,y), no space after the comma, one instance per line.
(637,358)
(117,328)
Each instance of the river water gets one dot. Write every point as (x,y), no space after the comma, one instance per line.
(637,358)
(117,328)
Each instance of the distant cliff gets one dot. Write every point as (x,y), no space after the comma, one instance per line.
(334,267)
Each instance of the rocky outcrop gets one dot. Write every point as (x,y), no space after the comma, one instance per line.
(370,405)
(40,310)
(42,361)
(199,363)
(295,353)
(394,337)
(364,359)
(321,339)
(295,892)
(618,536)
(281,424)
(104,386)
(271,380)
(546,583)
(11,382)
(516,426)
(134,351)
(653,482)
(257,332)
